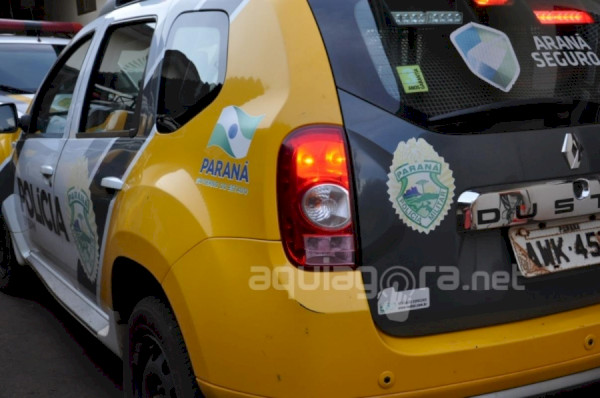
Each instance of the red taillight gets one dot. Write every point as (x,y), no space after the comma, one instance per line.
(17,26)
(492,2)
(314,197)
(563,17)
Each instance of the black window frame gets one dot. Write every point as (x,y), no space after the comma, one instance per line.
(223,24)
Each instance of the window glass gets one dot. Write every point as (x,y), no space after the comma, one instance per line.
(55,103)
(193,71)
(24,66)
(457,66)
(117,79)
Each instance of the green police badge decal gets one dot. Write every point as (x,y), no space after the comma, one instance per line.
(420,185)
(83,221)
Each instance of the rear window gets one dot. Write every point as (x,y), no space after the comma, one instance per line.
(457,66)
(24,66)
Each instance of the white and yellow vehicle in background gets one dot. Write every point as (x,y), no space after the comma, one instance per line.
(28,49)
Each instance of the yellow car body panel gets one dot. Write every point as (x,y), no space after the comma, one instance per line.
(7,140)
(268,341)
(161,201)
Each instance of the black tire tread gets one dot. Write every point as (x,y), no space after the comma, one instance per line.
(9,283)
(159,317)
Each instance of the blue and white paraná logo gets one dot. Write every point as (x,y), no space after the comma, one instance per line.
(234,132)
(488,53)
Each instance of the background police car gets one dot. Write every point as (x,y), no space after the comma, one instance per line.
(28,49)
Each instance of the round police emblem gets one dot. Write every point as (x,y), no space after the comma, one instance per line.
(420,185)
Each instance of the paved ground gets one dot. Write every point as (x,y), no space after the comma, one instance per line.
(45,353)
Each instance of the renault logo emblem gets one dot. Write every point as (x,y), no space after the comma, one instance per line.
(572,150)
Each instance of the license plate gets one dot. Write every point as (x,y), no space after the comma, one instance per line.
(557,247)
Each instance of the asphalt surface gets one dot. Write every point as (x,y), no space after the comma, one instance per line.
(44,352)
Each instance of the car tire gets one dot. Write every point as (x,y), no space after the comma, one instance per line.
(156,362)
(9,268)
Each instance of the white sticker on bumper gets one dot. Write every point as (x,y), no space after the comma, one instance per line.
(393,302)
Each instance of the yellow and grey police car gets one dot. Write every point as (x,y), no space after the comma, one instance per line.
(321,198)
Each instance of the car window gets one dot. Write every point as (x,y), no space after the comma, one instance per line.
(463,66)
(24,66)
(112,96)
(193,71)
(58,92)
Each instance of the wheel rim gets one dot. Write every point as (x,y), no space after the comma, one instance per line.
(152,368)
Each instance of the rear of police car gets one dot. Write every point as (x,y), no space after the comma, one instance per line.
(473,141)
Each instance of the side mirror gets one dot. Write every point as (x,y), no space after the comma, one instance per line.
(25,123)
(8,119)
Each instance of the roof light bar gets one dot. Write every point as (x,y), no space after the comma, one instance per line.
(492,2)
(563,17)
(17,26)
(410,18)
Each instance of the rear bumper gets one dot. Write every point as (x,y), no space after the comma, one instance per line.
(269,336)
(547,386)
(535,389)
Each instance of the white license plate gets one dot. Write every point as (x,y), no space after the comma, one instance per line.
(557,247)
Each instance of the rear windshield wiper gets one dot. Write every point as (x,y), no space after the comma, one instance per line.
(552,110)
(495,106)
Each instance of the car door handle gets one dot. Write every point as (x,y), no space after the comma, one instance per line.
(112,183)
(47,171)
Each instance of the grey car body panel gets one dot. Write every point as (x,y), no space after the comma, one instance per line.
(512,144)
(484,160)
(21,105)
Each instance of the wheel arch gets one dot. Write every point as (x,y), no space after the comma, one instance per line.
(130,283)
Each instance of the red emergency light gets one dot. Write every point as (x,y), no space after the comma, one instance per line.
(563,17)
(18,26)
(492,2)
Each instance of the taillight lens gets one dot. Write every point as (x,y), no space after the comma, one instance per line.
(314,197)
(563,17)
(327,206)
